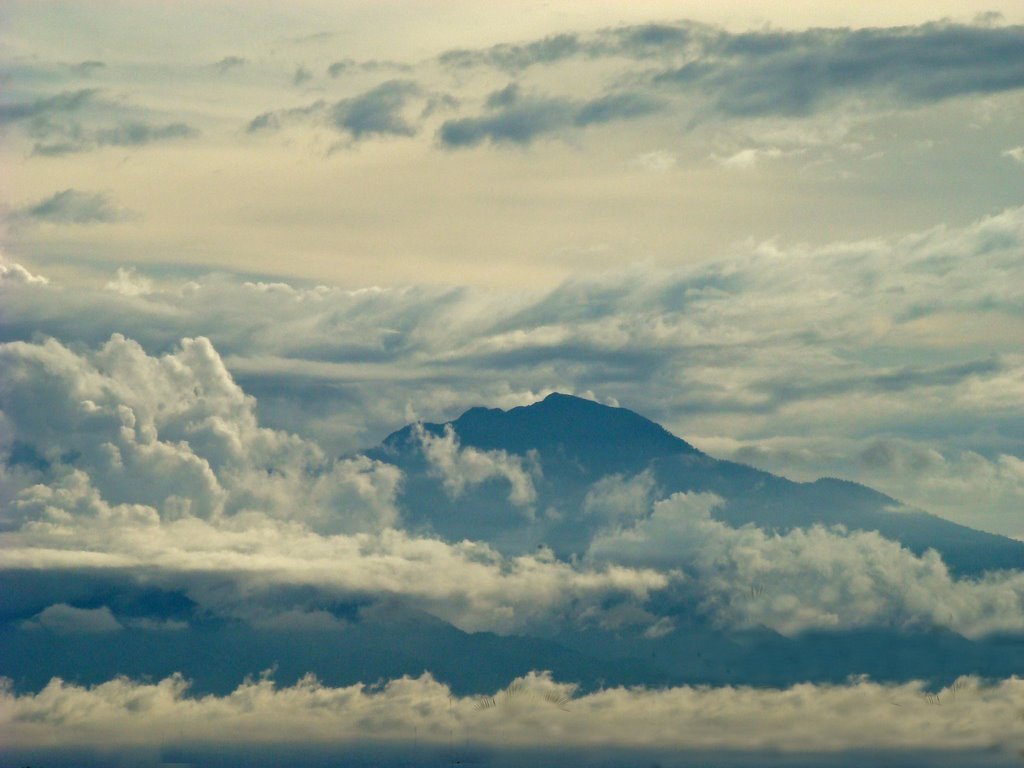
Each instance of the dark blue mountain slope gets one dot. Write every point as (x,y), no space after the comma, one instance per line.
(577,442)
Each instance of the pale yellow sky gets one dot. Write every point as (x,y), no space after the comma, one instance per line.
(310,201)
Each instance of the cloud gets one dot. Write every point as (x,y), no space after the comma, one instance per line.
(658,161)
(235,568)
(460,467)
(175,435)
(72,206)
(746,159)
(633,42)
(135,133)
(275,119)
(915,338)
(798,73)
(343,66)
(378,111)
(787,73)
(301,76)
(521,120)
(87,68)
(157,466)
(16,273)
(128,282)
(681,725)
(615,499)
(64,619)
(139,133)
(229,63)
(513,57)
(803,579)
(46,107)
(1016,154)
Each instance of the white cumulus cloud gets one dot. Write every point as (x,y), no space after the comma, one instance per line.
(810,578)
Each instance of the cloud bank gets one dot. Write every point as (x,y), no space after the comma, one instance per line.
(805,719)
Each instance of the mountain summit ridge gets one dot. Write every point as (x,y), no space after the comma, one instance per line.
(603,437)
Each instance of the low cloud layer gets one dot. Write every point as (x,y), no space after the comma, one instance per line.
(805,719)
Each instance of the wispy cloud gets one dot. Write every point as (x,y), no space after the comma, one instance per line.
(522,120)
(46,106)
(380,111)
(72,206)
(229,63)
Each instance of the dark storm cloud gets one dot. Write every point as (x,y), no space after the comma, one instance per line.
(522,120)
(74,207)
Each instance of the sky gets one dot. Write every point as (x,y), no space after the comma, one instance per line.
(241,242)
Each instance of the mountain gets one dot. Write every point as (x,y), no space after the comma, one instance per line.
(572,450)
(573,444)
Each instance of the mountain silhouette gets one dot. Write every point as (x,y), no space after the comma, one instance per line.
(573,443)
(602,439)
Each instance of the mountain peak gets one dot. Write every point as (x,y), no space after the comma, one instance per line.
(601,437)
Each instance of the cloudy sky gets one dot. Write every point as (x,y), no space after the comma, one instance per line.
(242,241)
